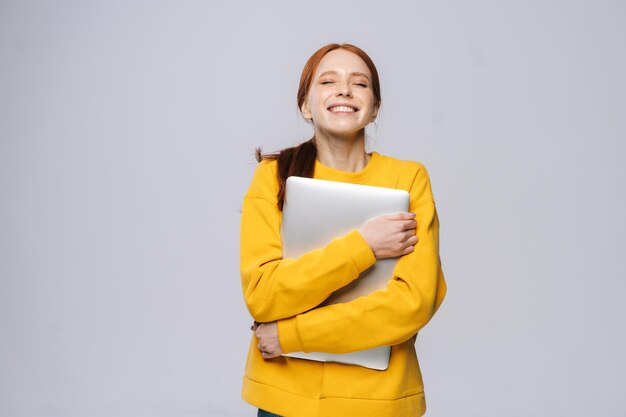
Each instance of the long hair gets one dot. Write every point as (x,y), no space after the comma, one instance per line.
(300,160)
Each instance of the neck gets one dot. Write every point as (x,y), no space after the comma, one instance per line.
(344,153)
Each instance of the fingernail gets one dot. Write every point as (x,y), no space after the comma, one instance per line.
(412,214)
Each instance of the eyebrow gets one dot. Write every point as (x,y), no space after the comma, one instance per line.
(361,74)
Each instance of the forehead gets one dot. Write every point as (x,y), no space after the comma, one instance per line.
(342,61)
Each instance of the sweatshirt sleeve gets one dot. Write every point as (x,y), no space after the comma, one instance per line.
(385,317)
(276,288)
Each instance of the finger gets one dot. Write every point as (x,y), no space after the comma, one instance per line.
(409,240)
(269,355)
(408,250)
(408,234)
(397,216)
(404,225)
(409,225)
(401,216)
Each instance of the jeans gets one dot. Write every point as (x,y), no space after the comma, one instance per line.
(263,413)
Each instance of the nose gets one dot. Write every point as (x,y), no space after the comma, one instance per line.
(343,89)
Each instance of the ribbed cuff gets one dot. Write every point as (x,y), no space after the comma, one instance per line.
(359,250)
(288,335)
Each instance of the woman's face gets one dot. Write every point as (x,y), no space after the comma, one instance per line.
(340,99)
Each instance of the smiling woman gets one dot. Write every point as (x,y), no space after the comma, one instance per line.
(339,94)
(340,99)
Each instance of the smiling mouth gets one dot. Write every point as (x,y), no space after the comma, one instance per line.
(342,109)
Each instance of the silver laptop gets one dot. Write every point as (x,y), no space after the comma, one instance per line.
(317,211)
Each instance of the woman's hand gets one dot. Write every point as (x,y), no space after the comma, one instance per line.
(390,235)
(267,334)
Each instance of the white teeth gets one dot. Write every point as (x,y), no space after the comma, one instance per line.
(342,109)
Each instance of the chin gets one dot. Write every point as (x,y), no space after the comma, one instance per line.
(346,128)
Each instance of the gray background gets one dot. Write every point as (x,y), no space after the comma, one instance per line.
(127,132)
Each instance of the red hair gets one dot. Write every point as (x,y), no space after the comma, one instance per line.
(300,160)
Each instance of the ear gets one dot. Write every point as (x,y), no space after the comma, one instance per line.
(305,110)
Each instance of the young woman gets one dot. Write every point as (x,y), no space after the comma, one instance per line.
(339,94)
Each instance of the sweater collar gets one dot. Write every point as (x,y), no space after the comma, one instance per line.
(324,172)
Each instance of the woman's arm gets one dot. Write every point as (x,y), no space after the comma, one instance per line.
(385,317)
(276,288)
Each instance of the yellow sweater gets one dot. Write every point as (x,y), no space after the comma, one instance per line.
(287,289)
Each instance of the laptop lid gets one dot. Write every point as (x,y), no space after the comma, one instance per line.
(317,211)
